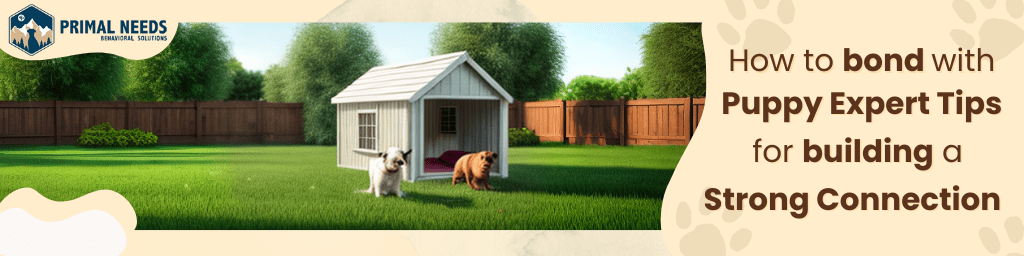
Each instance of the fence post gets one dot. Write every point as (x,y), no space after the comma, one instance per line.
(56,122)
(199,122)
(513,114)
(128,115)
(522,114)
(565,137)
(622,122)
(689,116)
(516,114)
(259,122)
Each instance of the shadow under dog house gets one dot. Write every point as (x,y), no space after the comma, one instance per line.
(437,107)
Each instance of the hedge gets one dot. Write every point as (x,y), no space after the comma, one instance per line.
(522,137)
(104,135)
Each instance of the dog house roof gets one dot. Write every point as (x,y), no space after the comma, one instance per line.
(410,81)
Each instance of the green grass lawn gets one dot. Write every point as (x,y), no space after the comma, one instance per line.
(552,186)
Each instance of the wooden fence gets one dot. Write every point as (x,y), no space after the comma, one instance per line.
(61,122)
(611,122)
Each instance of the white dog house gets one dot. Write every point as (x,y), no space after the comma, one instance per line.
(431,106)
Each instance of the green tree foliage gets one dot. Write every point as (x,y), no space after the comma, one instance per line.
(527,59)
(673,58)
(633,84)
(274,84)
(235,66)
(195,66)
(84,77)
(322,60)
(246,85)
(588,87)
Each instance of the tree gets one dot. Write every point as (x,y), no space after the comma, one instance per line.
(673,58)
(274,84)
(321,61)
(248,85)
(195,66)
(235,66)
(527,59)
(84,77)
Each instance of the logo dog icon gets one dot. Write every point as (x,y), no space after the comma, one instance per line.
(31,30)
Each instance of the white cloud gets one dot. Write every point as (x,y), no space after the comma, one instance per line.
(92,232)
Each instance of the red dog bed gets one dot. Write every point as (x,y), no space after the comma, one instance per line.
(445,163)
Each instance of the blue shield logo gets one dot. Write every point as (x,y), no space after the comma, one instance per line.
(31,30)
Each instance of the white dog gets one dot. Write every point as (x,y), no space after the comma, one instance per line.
(385,175)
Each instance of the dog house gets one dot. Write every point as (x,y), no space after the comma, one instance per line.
(440,107)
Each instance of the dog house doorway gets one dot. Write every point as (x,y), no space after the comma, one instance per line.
(453,128)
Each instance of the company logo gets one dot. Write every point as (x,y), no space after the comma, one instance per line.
(31,30)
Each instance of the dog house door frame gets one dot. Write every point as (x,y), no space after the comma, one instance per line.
(417,130)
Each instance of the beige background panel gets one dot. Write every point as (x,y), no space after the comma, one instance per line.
(438,11)
(399,243)
(48,210)
(722,157)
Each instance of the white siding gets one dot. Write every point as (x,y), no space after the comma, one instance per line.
(392,130)
(461,82)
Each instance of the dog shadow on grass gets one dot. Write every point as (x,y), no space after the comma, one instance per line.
(447,201)
(623,182)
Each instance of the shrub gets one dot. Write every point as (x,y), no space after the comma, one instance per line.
(522,137)
(632,85)
(104,135)
(588,87)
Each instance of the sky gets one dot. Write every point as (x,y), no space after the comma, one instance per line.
(599,49)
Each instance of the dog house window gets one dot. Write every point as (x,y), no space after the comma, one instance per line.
(448,120)
(368,130)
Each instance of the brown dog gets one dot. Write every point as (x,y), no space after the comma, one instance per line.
(476,168)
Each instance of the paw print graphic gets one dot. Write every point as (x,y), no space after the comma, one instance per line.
(1014,231)
(707,238)
(996,36)
(760,35)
